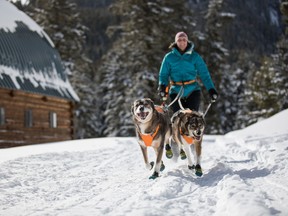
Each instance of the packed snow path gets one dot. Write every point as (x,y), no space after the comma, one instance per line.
(244,174)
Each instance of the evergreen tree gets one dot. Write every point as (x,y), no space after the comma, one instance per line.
(262,92)
(215,54)
(130,69)
(97,16)
(241,69)
(282,59)
(266,92)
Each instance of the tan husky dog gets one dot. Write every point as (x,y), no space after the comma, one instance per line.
(153,129)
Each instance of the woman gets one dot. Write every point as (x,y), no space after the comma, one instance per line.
(180,68)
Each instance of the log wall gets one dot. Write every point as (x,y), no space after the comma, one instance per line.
(13,130)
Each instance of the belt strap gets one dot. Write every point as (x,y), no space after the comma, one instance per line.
(182,82)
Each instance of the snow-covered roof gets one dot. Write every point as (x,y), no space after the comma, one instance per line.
(28,59)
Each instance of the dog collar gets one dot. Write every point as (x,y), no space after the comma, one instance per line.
(148,138)
(188,139)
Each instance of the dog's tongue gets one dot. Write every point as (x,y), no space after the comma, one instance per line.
(143,115)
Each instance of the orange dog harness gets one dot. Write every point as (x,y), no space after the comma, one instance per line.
(159,109)
(148,138)
(188,139)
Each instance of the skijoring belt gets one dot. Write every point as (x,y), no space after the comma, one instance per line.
(182,82)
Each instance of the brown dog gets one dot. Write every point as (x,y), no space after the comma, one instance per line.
(188,129)
(153,129)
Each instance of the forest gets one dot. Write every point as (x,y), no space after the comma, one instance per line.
(112,52)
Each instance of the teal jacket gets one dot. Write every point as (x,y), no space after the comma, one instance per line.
(180,68)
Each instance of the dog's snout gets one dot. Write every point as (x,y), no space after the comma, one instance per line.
(142,108)
(198,132)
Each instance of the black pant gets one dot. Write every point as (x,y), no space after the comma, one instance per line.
(192,101)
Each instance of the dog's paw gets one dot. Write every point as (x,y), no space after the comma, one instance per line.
(169,153)
(191,167)
(154,176)
(198,170)
(162,167)
(151,165)
(183,154)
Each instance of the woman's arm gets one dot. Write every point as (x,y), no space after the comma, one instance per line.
(203,73)
(164,72)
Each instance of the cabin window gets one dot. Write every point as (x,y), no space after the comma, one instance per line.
(2,116)
(53,120)
(28,118)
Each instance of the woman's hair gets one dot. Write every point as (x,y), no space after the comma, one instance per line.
(172,45)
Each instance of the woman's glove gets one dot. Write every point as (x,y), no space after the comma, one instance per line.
(213,94)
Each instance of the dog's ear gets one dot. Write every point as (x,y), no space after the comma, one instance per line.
(183,125)
(183,118)
(151,102)
(200,116)
(181,115)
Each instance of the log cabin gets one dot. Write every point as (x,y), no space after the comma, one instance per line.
(37,101)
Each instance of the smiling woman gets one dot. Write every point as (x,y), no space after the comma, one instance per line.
(181,68)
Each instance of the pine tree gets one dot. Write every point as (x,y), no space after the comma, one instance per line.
(266,92)
(215,54)
(282,59)
(240,70)
(262,92)
(130,69)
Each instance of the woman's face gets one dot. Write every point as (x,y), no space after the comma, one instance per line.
(182,43)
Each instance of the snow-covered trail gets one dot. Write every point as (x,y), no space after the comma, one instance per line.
(244,174)
(111,180)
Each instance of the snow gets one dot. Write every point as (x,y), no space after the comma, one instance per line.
(245,173)
(8,22)
(273,17)
(36,78)
(9,16)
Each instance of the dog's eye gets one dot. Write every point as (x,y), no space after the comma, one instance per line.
(193,125)
(193,122)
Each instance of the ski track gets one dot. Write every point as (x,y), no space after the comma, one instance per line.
(234,169)
(261,165)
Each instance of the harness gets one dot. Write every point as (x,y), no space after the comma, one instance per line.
(188,139)
(148,138)
(159,109)
(181,83)
(180,93)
